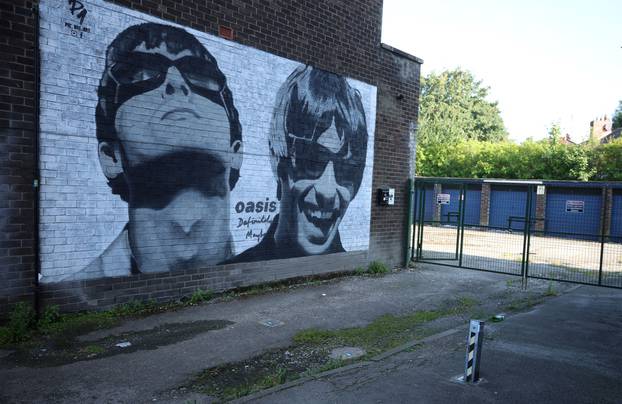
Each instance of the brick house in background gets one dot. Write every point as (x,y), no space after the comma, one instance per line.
(601,130)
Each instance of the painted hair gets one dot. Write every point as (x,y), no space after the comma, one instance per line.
(120,50)
(307,104)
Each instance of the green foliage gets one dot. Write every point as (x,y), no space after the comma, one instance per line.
(606,161)
(200,295)
(377,268)
(617,117)
(22,321)
(529,160)
(134,307)
(50,315)
(454,108)
(94,349)
(555,133)
(550,291)
(360,271)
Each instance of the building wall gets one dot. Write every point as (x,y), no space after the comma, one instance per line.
(89,257)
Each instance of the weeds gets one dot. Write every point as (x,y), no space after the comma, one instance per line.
(200,295)
(377,268)
(22,322)
(550,291)
(93,349)
(360,271)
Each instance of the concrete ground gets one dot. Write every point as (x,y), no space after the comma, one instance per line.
(565,351)
(571,340)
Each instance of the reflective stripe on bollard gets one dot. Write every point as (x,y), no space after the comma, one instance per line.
(474,350)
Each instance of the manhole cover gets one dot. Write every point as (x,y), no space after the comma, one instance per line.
(347,352)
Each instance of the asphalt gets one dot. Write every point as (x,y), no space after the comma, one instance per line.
(564,350)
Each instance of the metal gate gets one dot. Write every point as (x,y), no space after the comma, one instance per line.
(557,230)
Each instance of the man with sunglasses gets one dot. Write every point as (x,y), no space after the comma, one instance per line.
(170,145)
(318,145)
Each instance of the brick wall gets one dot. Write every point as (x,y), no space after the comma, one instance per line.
(607,214)
(17,137)
(539,224)
(338,36)
(484,207)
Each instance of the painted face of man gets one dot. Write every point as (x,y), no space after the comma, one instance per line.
(319,186)
(176,154)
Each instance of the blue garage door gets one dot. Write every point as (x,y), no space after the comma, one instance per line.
(449,213)
(616,217)
(573,212)
(508,202)
(428,203)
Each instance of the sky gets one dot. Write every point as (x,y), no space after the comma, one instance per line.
(546,61)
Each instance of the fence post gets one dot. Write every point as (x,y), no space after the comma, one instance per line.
(526,238)
(460,208)
(461,224)
(415,228)
(603,222)
(421,221)
(530,202)
(409,223)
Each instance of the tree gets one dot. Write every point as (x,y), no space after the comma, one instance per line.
(606,160)
(617,117)
(454,107)
(555,133)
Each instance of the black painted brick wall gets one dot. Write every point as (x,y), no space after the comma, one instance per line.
(337,35)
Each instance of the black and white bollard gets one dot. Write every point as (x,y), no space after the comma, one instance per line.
(474,351)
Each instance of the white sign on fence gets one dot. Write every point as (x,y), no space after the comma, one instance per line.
(443,199)
(575,206)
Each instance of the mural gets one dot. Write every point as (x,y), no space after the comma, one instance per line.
(318,143)
(187,186)
(170,145)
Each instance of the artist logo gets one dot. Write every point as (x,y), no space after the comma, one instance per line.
(77,10)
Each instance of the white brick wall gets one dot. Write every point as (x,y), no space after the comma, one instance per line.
(79,215)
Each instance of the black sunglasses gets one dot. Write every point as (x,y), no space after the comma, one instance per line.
(141,72)
(311,159)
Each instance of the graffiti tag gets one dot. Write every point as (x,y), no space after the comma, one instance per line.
(77,9)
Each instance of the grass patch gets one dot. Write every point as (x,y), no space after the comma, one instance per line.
(385,332)
(93,349)
(523,304)
(377,268)
(278,376)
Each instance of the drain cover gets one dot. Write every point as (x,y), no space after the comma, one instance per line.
(347,352)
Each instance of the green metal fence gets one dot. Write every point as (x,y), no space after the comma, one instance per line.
(564,231)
